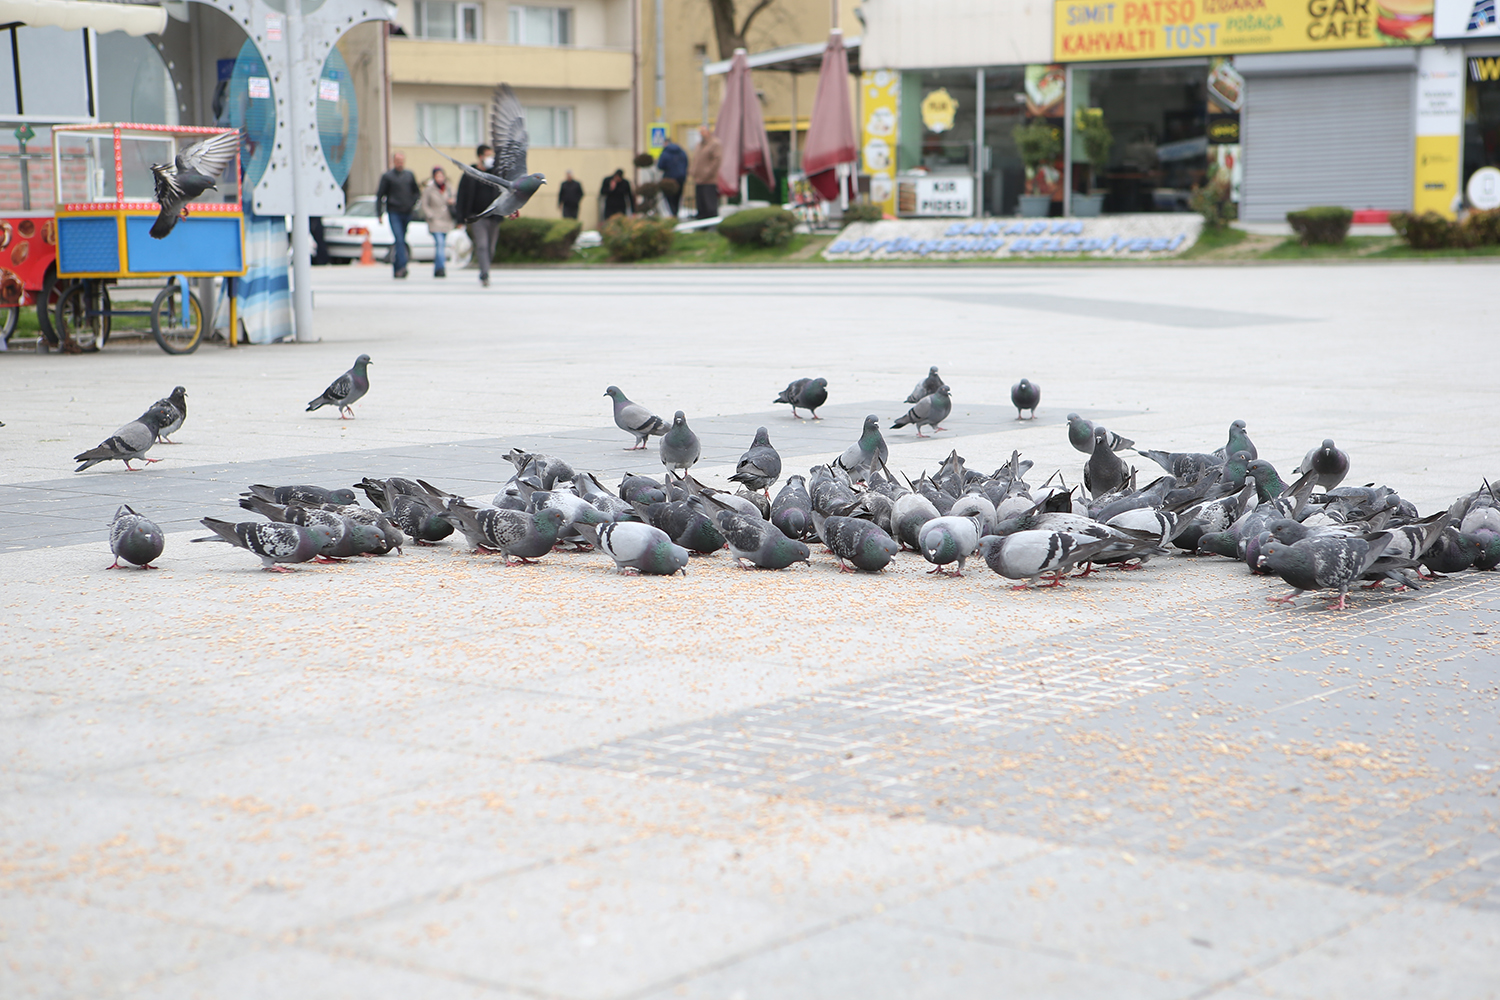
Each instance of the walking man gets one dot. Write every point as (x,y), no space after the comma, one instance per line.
(673,166)
(569,196)
(705,172)
(474,197)
(398,194)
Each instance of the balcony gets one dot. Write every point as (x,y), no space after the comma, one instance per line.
(414,60)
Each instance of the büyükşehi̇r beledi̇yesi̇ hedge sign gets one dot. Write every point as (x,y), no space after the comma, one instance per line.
(1158,234)
(1154,29)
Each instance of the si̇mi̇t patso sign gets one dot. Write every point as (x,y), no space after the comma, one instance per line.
(1152,29)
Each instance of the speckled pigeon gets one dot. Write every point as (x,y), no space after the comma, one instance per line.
(1323,561)
(274,542)
(1025,395)
(515,534)
(1029,555)
(805,393)
(131,441)
(134,539)
(929,411)
(858,542)
(760,466)
(177,402)
(346,390)
(791,511)
(758,542)
(304,494)
(685,523)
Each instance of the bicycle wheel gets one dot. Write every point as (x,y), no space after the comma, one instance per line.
(82,317)
(167,321)
(9,317)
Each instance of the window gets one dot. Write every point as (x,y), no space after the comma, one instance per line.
(450,124)
(541,25)
(445,19)
(549,126)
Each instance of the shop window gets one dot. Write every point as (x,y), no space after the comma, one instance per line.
(1481,114)
(541,25)
(449,21)
(450,124)
(549,126)
(1159,122)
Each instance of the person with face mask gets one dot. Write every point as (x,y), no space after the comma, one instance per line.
(474,197)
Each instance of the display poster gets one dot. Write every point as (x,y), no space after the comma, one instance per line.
(1440,126)
(1046,86)
(1226,99)
(880,107)
(1158,29)
(1465,19)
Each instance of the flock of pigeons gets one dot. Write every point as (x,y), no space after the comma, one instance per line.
(1313,532)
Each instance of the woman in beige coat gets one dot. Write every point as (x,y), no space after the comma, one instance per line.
(437,201)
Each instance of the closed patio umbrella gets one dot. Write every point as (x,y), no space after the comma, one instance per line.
(830,135)
(742,130)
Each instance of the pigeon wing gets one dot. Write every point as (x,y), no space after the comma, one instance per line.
(210,156)
(340,389)
(482,176)
(508,134)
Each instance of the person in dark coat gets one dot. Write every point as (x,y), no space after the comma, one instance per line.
(398,194)
(618,198)
(672,164)
(472,198)
(569,195)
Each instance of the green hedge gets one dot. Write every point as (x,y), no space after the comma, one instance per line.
(863,211)
(1327,224)
(527,239)
(637,237)
(770,227)
(1431,231)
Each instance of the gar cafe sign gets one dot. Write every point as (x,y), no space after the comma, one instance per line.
(1110,236)
(1149,29)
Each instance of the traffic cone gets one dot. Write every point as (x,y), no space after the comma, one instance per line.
(367,252)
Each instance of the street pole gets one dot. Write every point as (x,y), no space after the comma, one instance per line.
(304,130)
(661,58)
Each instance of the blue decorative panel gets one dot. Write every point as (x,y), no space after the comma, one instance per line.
(87,245)
(196,244)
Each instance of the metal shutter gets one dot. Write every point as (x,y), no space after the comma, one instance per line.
(1340,139)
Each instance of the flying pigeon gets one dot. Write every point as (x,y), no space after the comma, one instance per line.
(927,386)
(945,540)
(304,494)
(131,441)
(346,390)
(509,141)
(863,455)
(178,402)
(1081,436)
(635,419)
(759,543)
(805,393)
(192,172)
(929,411)
(760,466)
(858,542)
(274,542)
(1025,396)
(134,539)
(679,446)
(638,547)
(1323,561)
(791,511)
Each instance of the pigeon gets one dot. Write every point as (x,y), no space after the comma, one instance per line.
(679,446)
(861,457)
(1025,396)
(390,537)
(760,466)
(685,523)
(509,141)
(638,547)
(806,393)
(1104,472)
(1326,464)
(759,543)
(909,514)
(345,537)
(1323,561)
(134,539)
(635,419)
(1029,555)
(858,542)
(513,533)
(1081,436)
(945,540)
(929,411)
(641,489)
(346,390)
(178,402)
(308,495)
(191,172)
(1184,466)
(926,387)
(791,511)
(1239,440)
(1451,552)
(975,505)
(274,542)
(548,468)
(131,441)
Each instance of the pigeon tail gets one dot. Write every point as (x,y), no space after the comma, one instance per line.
(223,531)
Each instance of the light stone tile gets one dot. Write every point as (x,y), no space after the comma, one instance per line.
(278,973)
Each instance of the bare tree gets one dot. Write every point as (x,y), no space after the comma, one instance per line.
(730,28)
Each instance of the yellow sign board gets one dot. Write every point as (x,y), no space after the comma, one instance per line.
(881,107)
(1158,29)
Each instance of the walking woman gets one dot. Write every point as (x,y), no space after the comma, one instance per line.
(437,208)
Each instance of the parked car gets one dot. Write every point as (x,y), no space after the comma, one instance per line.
(345,236)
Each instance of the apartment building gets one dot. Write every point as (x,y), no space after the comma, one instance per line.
(570,63)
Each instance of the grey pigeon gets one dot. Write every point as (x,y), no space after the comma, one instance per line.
(832,492)
(177,402)
(192,171)
(548,468)
(1185,466)
(929,411)
(134,539)
(791,511)
(131,441)
(419,519)
(679,447)
(274,542)
(908,516)
(1030,555)
(862,457)
(1323,561)
(945,540)
(805,393)
(641,489)
(759,543)
(1239,440)
(516,534)
(927,386)
(685,523)
(1024,395)
(760,466)
(635,419)
(510,142)
(390,537)
(345,537)
(858,542)
(1081,436)
(303,494)
(346,390)
(1104,472)
(639,547)
(1327,464)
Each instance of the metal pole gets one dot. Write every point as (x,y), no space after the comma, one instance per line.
(791,159)
(979,150)
(1067,206)
(300,68)
(703,72)
(661,58)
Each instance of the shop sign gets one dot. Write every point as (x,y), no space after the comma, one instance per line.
(881,90)
(1156,29)
(935,196)
(1484,189)
(1465,19)
(1226,98)
(1118,236)
(938,110)
(1440,126)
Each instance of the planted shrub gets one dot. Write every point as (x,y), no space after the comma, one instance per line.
(771,227)
(1427,231)
(1213,200)
(527,239)
(863,211)
(637,237)
(1481,229)
(1326,224)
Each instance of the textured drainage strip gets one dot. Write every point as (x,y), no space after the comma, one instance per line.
(1355,748)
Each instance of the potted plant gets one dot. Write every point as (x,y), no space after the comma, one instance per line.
(1097,141)
(1038,143)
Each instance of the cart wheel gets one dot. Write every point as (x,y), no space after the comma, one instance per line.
(175,336)
(82,316)
(9,317)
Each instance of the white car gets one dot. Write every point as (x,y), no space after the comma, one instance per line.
(344,236)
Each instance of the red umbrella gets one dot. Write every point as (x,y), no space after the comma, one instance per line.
(830,136)
(741,130)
